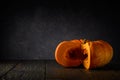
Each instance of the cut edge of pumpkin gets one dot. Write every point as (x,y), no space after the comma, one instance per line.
(87,51)
(61,52)
(56,53)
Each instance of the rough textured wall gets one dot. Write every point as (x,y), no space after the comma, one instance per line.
(32,30)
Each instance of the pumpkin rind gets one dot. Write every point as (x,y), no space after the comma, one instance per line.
(101,53)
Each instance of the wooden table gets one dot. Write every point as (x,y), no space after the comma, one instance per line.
(50,70)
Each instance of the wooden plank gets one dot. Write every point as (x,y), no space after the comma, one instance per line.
(27,70)
(56,72)
(50,70)
(6,66)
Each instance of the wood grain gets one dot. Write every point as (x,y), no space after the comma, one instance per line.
(6,66)
(109,72)
(27,70)
(51,70)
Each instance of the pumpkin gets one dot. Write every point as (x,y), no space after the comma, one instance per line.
(99,53)
(69,53)
(91,54)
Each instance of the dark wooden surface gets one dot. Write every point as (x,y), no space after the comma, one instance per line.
(50,70)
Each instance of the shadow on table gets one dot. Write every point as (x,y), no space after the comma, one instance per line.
(55,71)
(110,66)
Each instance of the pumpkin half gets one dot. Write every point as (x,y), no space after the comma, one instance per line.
(91,54)
(99,54)
(69,53)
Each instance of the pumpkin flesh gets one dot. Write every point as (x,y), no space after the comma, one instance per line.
(69,54)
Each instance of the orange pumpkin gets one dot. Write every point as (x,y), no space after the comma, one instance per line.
(99,54)
(68,53)
(91,54)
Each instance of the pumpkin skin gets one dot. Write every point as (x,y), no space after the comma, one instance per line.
(92,54)
(99,54)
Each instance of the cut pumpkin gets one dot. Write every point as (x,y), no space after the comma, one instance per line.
(69,53)
(91,54)
(99,54)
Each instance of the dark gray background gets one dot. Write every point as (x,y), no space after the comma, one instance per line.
(32,30)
